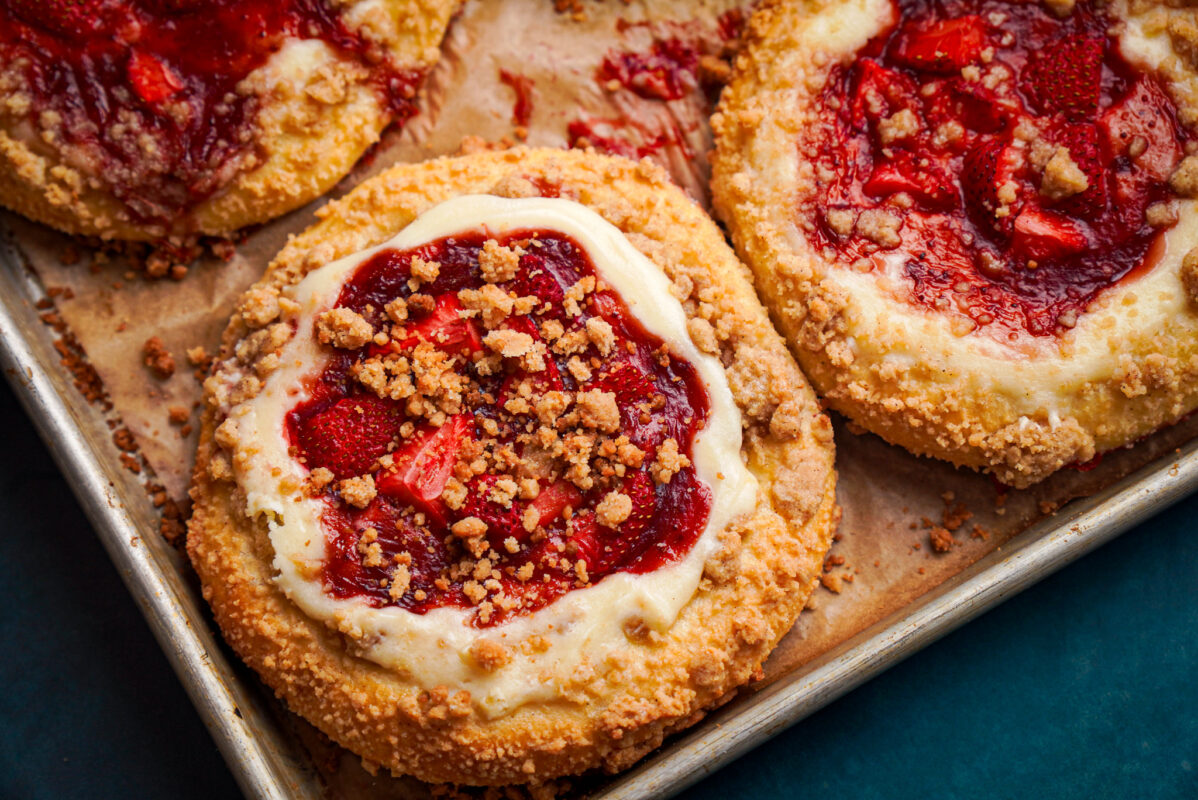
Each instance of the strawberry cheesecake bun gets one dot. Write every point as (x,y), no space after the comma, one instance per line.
(149,119)
(974,220)
(505,474)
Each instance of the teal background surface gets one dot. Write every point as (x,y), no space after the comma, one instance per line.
(1084,686)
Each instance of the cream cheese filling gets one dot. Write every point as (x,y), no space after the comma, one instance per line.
(578,631)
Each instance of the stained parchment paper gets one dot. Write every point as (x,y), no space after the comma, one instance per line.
(909,524)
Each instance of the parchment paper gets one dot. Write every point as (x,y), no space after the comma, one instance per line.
(895,505)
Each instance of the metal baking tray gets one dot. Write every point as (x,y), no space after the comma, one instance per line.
(247,724)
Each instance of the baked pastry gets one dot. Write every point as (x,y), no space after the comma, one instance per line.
(142,120)
(974,221)
(505,474)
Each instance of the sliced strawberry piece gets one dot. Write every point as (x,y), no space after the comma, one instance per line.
(927,182)
(1041,234)
(642,491)
(342,562)
(399,533)
(423,463)
(602,547)
(972,104)
(944,46)
(584,543)
(345,573)
(633,387)
(881,92)
(523,325)
(535,279)
(1143,122)
(152,79)
(986,169)
(553,499)
(379,516)
(501,522)
(1066,76)
(609,306)
(348,437)
(628,382)
(1082,142)
(445,328)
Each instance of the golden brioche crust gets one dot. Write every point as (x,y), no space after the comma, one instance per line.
(308,134)
(1020,411)
(752,590)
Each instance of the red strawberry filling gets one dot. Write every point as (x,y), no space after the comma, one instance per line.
(1013,160)
(444,328)
(421,466)
(506,436)
(148,95)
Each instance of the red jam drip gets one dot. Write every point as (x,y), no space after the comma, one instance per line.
(668,71)
(987,233)
(659,396)
(522,85)
(144,94)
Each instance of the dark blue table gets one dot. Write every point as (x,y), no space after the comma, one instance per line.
(1085,686)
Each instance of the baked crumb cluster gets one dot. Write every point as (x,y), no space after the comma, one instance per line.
(158,103)
(1005,154)
(494,428)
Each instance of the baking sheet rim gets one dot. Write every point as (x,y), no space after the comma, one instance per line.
(172,612)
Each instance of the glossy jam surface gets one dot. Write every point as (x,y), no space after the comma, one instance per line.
(497,435)
(1012,161)
(145,95)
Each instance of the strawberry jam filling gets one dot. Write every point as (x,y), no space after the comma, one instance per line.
(495,429)
(148,95)
(1011,164)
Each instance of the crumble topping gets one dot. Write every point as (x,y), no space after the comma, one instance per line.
(1184,179)
(670,461)
(613,509)
(1062,177)
(358,492)
(343,328)
(498,263)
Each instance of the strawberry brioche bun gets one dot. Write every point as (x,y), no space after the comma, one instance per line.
(146,120)
(974,220)
(504,473)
